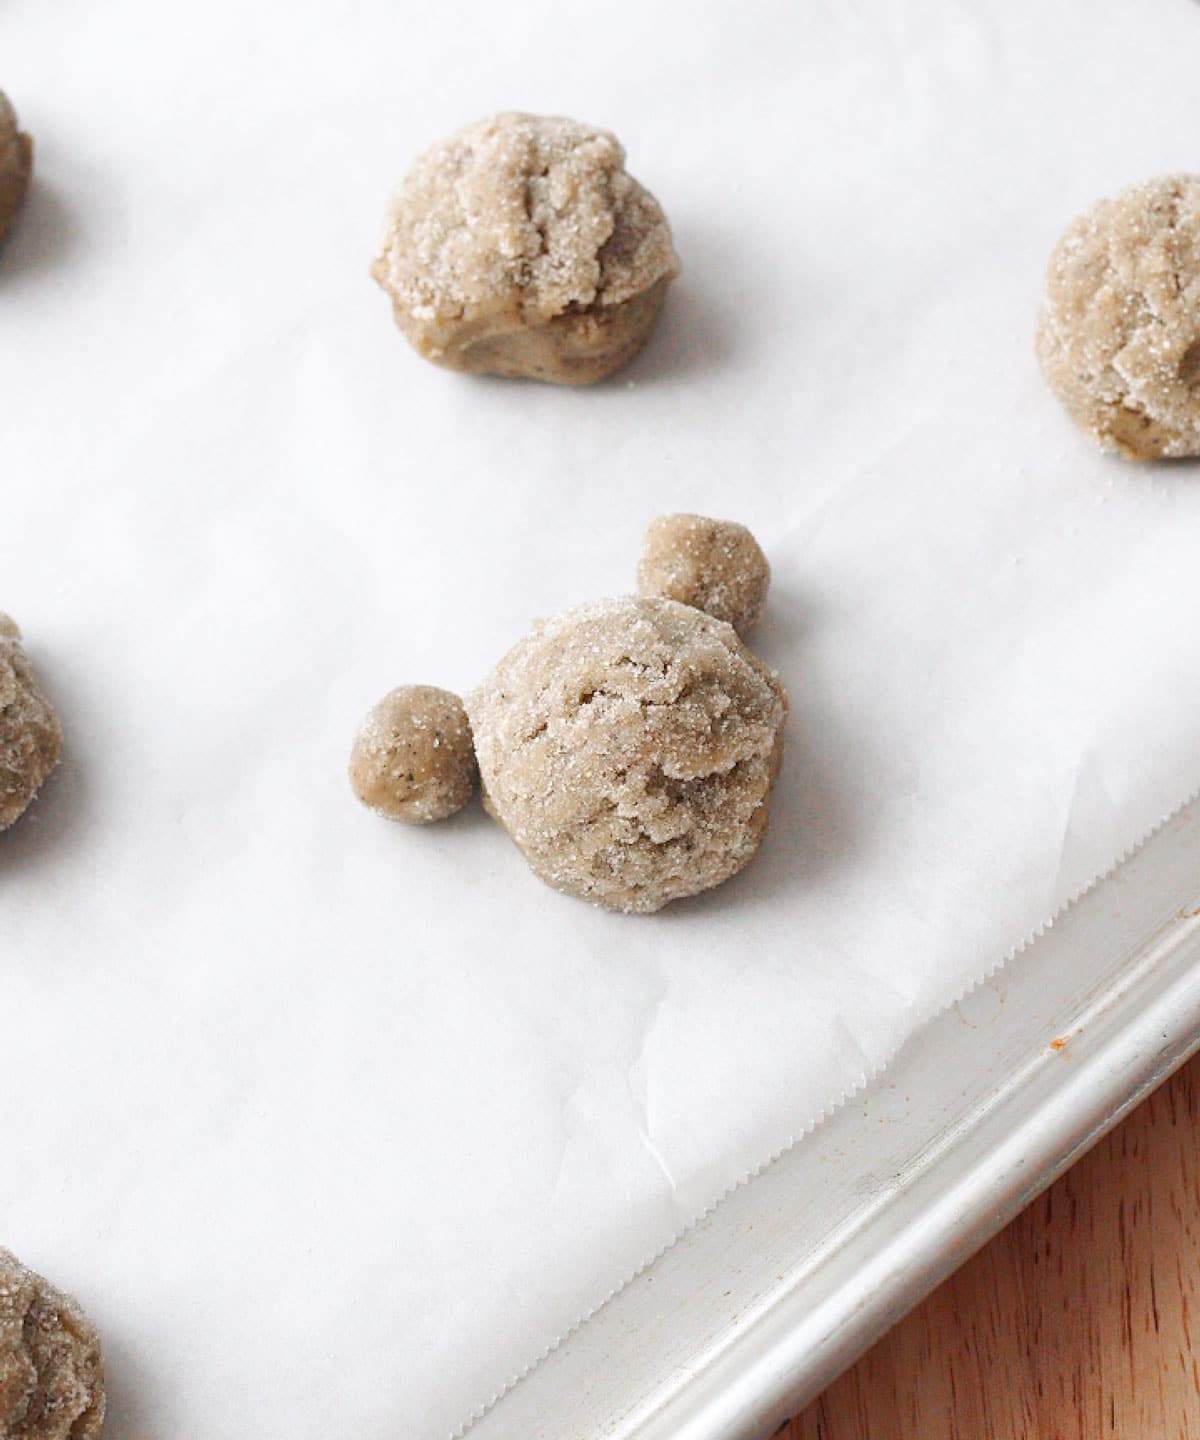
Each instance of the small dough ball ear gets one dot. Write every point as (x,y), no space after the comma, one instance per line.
(30,735)
(16,165)
(714,565)
(414,757)
(51,1369)
(1119,335)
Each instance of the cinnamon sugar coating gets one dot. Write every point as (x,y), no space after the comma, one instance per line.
(629,748)
(520,246)
(413,759)
(51,1371)
(1119,336)
(715,565)
(30,735)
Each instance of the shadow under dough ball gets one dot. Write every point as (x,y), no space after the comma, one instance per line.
(520,246)
(1119,336)
(51,1370)
(629,747)
(30,735)
(413,758)
(16,165)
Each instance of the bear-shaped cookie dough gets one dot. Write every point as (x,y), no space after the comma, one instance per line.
(628,747)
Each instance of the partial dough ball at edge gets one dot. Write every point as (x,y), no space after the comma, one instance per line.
(16,165)
(51,1367)
(31,737)
(1118,337)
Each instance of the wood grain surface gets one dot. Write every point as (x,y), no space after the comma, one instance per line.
(1077,1322)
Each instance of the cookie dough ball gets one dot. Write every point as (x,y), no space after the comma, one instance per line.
(629,748)
(16,165)
(715,565)
(1119,338)
(51,1372)
(519,246)
(414,759)
(30,735)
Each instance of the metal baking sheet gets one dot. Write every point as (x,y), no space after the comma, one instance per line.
(796,1271)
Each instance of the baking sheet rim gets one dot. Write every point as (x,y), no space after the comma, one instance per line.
(864,1084)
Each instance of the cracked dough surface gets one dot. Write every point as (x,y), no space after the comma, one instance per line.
(629,748)
(520,246)
(30,735)
(1119,337)
(51,1372)
(16,165)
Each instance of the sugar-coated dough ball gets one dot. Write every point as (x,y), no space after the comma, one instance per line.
(715,565)
(519,246)
(629,748)
(30,735)
(16,165)
(51,1371)
(414,759)
(1119,338)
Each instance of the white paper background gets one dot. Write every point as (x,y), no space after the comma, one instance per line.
(333,1125)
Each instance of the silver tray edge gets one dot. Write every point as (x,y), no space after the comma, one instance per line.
(792,1274)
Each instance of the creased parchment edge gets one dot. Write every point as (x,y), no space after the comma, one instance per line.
(867,1079)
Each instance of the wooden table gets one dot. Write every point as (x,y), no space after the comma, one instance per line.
(1078,1321)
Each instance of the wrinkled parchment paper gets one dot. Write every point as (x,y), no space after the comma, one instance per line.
(331,1125)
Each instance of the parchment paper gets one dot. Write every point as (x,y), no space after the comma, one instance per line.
(332,1125)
